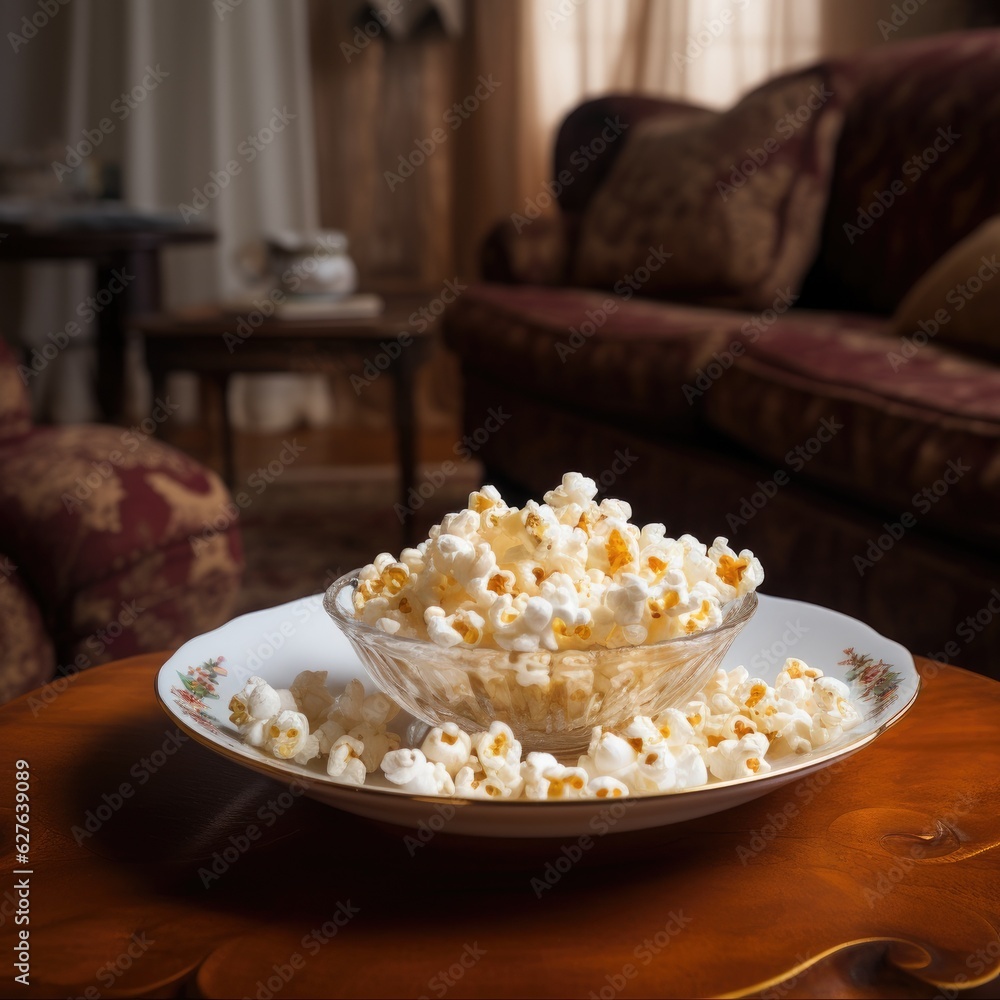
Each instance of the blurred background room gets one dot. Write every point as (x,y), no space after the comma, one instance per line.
(730,258)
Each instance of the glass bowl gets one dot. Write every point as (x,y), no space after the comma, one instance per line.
(551,700)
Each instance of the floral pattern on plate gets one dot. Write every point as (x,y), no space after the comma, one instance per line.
(199,683)
(876,681)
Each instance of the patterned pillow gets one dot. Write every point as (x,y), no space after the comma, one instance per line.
(737,198)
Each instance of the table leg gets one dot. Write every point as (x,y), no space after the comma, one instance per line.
(128,284)
(158,378)
(404,369)
(215,403)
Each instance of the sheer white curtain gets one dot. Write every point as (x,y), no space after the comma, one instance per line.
(708,51)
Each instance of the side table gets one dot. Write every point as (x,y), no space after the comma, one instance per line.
(134,250)
(157,868)
(216,344)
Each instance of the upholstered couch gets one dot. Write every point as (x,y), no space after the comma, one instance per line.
(753,383)
(110,543)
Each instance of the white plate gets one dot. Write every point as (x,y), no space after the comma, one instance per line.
(279,642)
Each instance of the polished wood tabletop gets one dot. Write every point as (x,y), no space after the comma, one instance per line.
(158,868)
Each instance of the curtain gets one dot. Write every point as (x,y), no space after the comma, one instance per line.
(225,68)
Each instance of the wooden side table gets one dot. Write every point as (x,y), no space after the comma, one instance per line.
(132,250)
(216,344)
(158,868)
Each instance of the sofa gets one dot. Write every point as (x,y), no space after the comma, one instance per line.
(749,377)
(110,543)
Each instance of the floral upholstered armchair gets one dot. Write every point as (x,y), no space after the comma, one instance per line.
(104,551)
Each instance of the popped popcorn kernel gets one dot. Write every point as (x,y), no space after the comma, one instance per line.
(567,573)
(734,728)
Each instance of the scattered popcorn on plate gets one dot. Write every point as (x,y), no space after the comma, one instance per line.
(727,731)
(569,573)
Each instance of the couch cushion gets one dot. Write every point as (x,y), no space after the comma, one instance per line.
(15,403)
(96,518)
(737,198)
(957,302)
(915,169)
(592,136)
(837,403)
(594,352)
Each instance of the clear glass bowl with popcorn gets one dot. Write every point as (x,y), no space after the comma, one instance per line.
(553,618)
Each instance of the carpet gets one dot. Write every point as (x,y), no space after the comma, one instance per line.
(301,535)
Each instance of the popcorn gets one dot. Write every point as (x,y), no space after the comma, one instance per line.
(545,778)
(473,784)
(345,761)
(256,704)
(312,698)
(564,574)
(286,734)
(413,771)
(375,743)
(499,753)
(607,788)
(733,728)
(448,745)
(738,758)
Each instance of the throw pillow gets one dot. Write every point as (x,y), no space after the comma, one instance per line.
(958,299)
(736,198)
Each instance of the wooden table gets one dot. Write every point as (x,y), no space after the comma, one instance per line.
(159,868)
(216,344)
(134,250)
